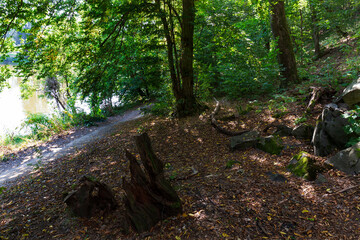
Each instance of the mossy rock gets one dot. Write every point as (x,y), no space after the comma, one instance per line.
(303,165)
(270,144)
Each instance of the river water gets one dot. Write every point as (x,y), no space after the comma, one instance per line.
(14,109)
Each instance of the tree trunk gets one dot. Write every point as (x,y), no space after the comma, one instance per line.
(301,36)
(187,105)
(183,82)
(170,52)
(281,32)
(315,30)
(149,196)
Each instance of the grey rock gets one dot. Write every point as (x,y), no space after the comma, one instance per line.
(276,177)
(329,133)
(245,140)
(303,131)
(347,160)
(283,130)
(351,94)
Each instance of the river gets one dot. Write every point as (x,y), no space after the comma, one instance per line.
(14,109)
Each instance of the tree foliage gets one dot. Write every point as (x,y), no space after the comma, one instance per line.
(135,50)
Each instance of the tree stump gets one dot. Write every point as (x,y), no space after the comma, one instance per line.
(90,196)
(149,196)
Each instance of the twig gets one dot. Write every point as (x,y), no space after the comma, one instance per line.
(202,198)
(189,176)
(262,228)
(346,189)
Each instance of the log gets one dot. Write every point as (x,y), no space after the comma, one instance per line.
(149,196)
(218,127)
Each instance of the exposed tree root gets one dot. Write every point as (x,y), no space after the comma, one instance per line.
(218,127)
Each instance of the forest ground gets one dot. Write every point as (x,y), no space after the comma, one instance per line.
(219,202)
(232,196)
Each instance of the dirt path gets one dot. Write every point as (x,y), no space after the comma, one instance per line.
(53,150)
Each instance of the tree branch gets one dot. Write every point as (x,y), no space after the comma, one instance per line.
(9,25)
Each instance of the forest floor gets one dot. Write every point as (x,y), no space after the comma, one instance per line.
(221,201)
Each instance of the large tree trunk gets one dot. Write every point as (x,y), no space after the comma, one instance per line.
(187,104)
(281,32)
(149,196)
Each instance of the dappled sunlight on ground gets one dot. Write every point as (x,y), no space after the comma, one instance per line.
(220,201)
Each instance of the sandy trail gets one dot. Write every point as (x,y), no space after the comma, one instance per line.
(23,165)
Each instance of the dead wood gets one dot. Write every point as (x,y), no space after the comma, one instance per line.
(262,228)
(149,196)
(315,95)
(346,189)
(220,129)
(194,172)
(90,196)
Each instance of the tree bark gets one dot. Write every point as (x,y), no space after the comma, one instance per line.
(315,30)
(90,196)
(183,82)
(281,32)
(175,81)
(149,196)
(187,105)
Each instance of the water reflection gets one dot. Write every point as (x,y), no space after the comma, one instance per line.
(13,109)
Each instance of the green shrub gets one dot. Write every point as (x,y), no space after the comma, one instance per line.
(13,139)
(301,119)
(38,124)
(353,129)
(83,119)
(42,126)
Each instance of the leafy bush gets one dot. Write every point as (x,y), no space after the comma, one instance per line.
(83,119)
(12,139)
(38,124)
(165,104)
(2,189)
(42,126)
(353,117)
(301,119)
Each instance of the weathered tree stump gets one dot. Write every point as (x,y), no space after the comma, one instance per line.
(90,196)
(149,196)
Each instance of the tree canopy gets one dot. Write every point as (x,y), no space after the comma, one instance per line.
(178,52)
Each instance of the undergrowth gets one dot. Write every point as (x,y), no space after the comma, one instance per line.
(353,129)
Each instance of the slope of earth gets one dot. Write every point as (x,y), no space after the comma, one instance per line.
(220,201)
